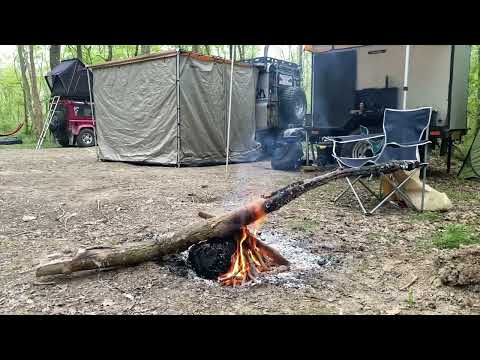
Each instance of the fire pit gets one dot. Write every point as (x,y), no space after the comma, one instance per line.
(234,261)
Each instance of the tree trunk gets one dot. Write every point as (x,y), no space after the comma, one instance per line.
(300,55)
(55,55)
(265,50)
(88,50)
(241,51)
(136,50)
(79,52)
(144,49)
(110,53)
(37,107)
(25,84)
(25,111)
(207,49)
(223,227)
(196,48)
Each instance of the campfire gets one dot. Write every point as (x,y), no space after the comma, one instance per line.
(248,260)
(238,259)
(233,254)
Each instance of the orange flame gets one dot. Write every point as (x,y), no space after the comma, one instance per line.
(248,260)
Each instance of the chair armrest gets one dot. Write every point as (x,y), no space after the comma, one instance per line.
(351,138)
(424,142)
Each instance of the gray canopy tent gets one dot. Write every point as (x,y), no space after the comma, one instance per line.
(172,108)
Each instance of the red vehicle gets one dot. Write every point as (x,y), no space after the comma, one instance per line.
(73,124)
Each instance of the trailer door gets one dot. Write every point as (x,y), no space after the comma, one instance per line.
(334,85)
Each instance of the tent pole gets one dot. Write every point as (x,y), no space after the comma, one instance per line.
(405,76)
(229,110)
(93,114)
(177,86)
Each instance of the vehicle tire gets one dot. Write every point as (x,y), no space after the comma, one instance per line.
(293,105)
(287,156)
(10,141)
(86,138)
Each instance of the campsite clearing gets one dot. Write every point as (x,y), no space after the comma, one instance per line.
(342,262)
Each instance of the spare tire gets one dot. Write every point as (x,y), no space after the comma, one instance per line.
(293,105)
(287,156)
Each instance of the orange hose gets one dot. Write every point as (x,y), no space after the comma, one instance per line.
(19,127)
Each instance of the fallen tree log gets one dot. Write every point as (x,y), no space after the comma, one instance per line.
(218,227)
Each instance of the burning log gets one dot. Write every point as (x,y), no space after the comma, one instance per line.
(220,227)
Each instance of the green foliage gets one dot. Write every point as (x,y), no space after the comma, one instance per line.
(431,216)
(473,109)
(455,235)
(410,300)
(11,100)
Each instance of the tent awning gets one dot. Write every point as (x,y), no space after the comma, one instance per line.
(326,48)
(165,55)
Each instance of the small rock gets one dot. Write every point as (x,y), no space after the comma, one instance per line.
(107,302)
(28,218)
(432,305)
(204,186)
(395,311)
(128,296)
(57,310)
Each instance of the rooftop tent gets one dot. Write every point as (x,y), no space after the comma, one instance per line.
(171,108)
(471,166)
(69,79)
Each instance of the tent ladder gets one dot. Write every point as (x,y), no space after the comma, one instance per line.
(48,120)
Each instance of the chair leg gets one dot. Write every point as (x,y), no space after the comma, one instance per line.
(394,190)
(400,191)
(356,196)
(424,180)
(346,189)
(370,190)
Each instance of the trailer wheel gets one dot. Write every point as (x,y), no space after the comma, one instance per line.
(86,138)
(293,105)
(287,156)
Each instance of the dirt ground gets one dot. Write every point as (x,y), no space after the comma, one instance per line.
(342,262)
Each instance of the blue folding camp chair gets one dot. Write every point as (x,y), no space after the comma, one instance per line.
(404,131)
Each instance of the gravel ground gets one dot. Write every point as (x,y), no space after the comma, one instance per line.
(342,262)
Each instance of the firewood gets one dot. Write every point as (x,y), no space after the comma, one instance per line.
(218,227)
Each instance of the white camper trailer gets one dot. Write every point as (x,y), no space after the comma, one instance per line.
(390,76)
